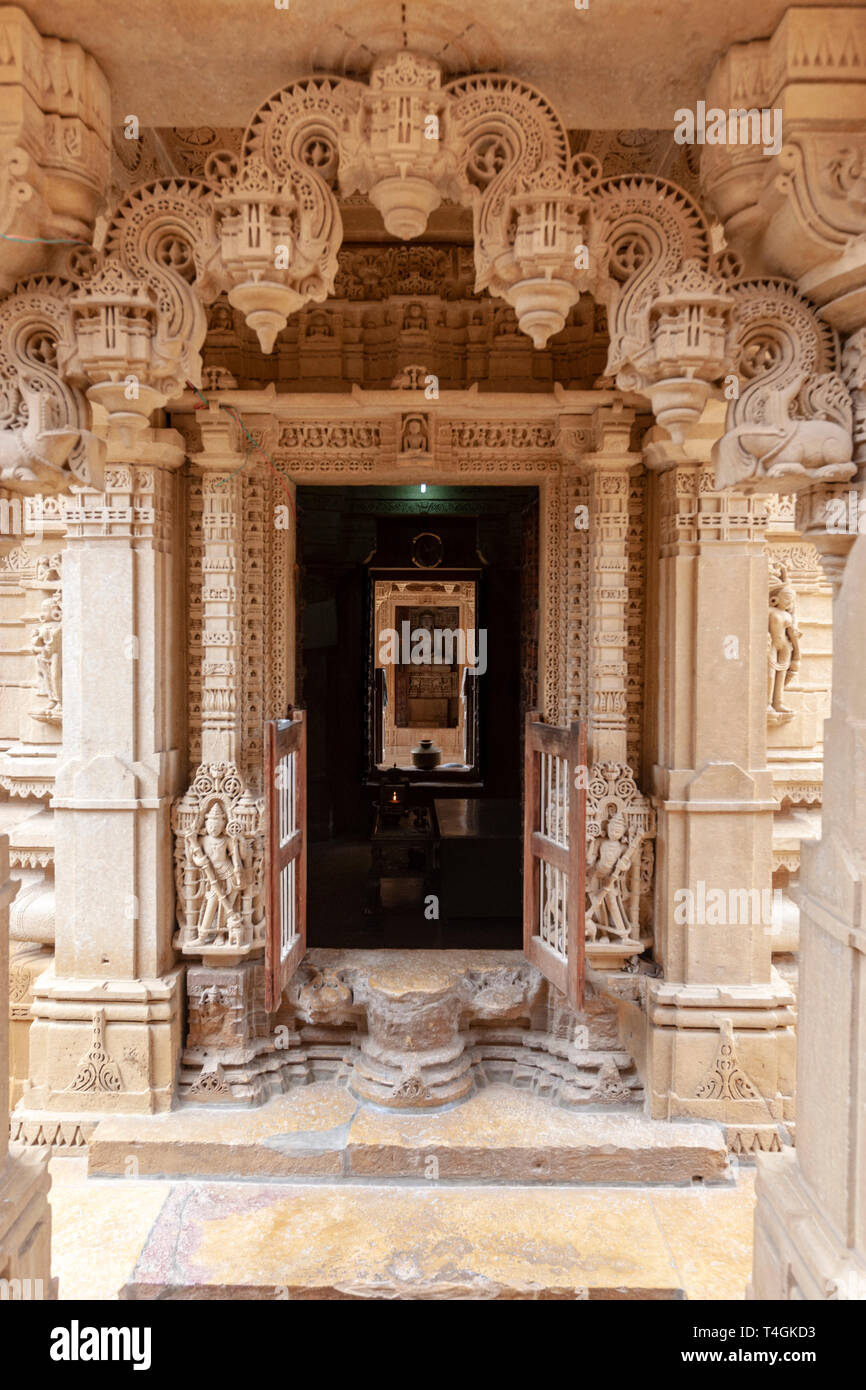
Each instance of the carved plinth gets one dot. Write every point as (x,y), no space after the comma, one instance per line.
(725,1054)
(231,1054)
(27,962)
(100,1045)
(25,1216)
(413,1054)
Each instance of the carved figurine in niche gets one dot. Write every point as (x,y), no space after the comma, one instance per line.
(319,325)
(213,1016)
(46,645)
(415,437)
(608,860)
(414,319)
(783,645)
(619,855)
(219,855)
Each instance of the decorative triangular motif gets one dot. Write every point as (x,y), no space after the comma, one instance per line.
(96,1070)
(726,1079)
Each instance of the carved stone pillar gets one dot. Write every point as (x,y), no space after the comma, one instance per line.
(25,1216)
(219,821)
(802,213)
(106,1030)
(810,1221)
(619,818)
(31,699)
(720,1043)
(609,470)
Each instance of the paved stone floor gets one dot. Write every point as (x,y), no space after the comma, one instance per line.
(314,1239)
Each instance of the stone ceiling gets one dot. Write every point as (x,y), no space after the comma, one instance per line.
(618,64)
(185,152)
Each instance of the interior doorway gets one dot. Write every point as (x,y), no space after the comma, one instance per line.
(417,659)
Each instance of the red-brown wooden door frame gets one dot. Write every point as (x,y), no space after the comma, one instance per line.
(286,898)
(554,867)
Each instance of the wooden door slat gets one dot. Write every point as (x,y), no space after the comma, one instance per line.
(554,872)
(285,738)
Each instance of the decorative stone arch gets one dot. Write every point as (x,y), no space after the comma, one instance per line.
(173,244)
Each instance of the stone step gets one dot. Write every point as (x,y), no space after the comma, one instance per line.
(324,1241)
(499,1134)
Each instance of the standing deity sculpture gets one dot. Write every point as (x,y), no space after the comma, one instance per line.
(219,853)
(608,860)
(783,645)
(46,645)
(619,832)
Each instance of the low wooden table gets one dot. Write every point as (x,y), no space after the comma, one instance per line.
(404,848)
(480,857)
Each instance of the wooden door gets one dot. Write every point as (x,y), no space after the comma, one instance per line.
(554,853)
(286,799)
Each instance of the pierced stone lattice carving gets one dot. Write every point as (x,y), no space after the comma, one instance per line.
(669,310)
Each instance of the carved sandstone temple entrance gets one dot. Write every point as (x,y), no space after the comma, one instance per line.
(414,276)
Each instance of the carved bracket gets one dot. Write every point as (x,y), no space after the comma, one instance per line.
(790,426)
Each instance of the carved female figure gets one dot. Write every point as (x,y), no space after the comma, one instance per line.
(783,644)
(46,647)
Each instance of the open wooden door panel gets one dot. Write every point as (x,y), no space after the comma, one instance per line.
(554,853)
(286,796)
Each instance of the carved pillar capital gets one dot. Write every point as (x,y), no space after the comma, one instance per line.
(790,192)
(54,146)
(831,515)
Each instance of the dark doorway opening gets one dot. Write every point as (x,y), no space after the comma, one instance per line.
(401,853)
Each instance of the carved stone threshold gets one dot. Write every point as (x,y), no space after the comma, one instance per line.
(412,1030)
(499,1134)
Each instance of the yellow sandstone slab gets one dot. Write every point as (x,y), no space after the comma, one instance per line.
(231,1141)
(692,1222)
(98,1229)
(323,1131)
(224,1240)
(402,973)
(515,1136)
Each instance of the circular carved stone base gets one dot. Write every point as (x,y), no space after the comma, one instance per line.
(412,1054)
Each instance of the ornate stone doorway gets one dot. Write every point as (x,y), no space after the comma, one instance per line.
(417,619)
